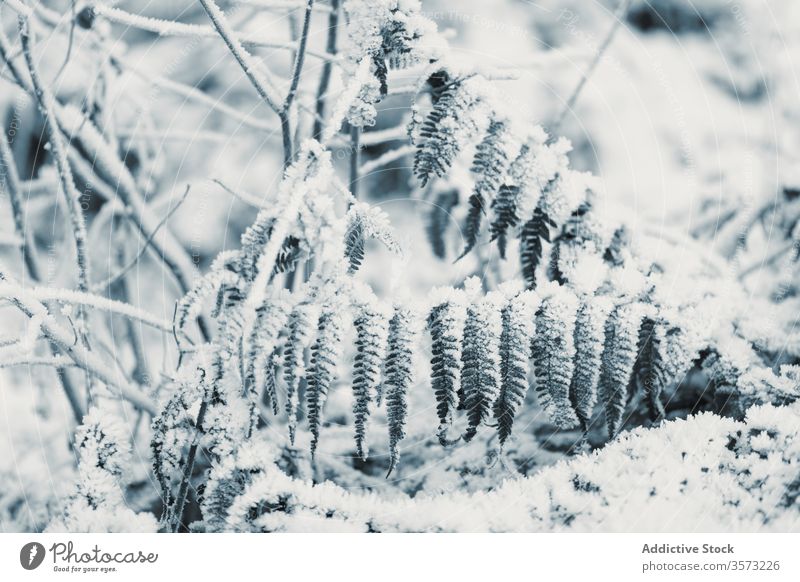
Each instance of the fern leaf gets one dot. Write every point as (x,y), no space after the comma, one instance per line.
(589,340)
(439,219)
(505,212)
(554,355)
(324,352)
(480,357)
(367,222)
(302,324)
(492,159)
(288,256)
(450,124)
(354,245)
(446,326)
(271,319)
(221,274)
(617,249)
(618,360)
(269,382)
(515,341)
(398,379)
(532,237)
(371,324)
(666,352)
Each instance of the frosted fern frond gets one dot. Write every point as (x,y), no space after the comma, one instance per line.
(381,35)
(367,222)
(174,427)
(288,255)
(531,172)
(228,479)
(222,273)
(439,219)
(554,355)
(446,327)
(98,504)
(480,357)
(761,385)
(618,360)
(533,235)
(669,344)
(493,156)
(453,122)
(579,247)
(271,319)
(399,377)
(324,353)
(372,327)
(354,240)
(302,324)
(731,358)
(618,249)
(515,344)
(505,211)
(589,340)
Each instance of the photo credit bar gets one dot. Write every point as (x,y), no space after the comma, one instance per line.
(398,556)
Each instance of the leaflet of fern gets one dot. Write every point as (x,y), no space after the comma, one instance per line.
(492,157)
(446,326)
(480,357)
(302,325)
(619,356)
(324,353)
(589,340)
(371,337)
(515,341)
(399,378)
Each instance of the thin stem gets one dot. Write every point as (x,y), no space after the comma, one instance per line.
(619,16)
(28,250)
(85,359)
(285,112)
(12,186)
(262,84)
(46,294)
(245,197)
(327,68)
(183,488)
(771,259)
(47,105)
(132,263)
(355,159)
(386,158)
(181,29)
(300,58)
(189,92)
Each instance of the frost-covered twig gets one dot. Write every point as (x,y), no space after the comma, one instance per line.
(57,362)
(355,159)
(181,29)
(297,69)
(767,260)
(327,68)
(11,291)
(193,93)
(245,197)
(387,158)
(88,361)
(145,245)
(47,104)
(619,16)
(28,250)
(260,80)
